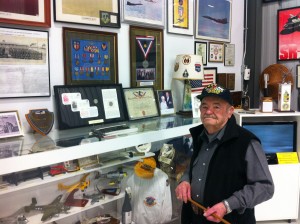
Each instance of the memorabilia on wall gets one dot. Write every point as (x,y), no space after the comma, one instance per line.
(210,74)
(89,12)
(201,49)
(24,12)
(140,102)
(288,36)
(146,57)
(216,52)
(145,12)
(298,74)
(213,21)
(89,105)
(181,17)
(229,54)
(90,57)
(226,80)
(165,102)
(10,125)
(40,120)
(24,63)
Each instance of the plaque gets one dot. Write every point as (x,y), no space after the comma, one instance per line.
(40,120)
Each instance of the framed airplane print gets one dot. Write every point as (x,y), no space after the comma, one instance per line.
(90,57)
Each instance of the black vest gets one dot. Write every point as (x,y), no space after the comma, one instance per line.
(226,173)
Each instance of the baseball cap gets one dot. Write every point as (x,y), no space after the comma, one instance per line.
(216,90)
(146,168)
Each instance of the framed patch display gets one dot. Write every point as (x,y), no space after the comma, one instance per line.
(27,13)
(88,12)
(181,17)
(146,57)
(165,102)
(140,102)
(213,23)
(88,105)
(24,63)
(90,57)
(215,52)
(288,36)
(10,125)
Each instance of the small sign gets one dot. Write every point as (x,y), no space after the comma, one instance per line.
(287,157)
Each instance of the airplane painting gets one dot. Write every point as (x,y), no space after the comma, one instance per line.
(222,21)
(53,209)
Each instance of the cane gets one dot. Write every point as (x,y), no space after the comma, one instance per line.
(204,209)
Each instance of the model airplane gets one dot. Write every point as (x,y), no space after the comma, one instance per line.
(82,184)
(50,210)
(96,197)
(222,21)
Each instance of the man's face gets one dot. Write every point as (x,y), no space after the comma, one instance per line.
(215,112)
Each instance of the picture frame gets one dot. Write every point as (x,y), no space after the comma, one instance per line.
(180,17)
(10,125)
(165,102)
(104,13)
(216,52)
(142,13)
(140,102)
(229,54)
(146,57)
(213,22)
(298,75)
(288,40)
(200,48)
(210,76)
(195,105)
(90,57)
(24,57)
(26,13)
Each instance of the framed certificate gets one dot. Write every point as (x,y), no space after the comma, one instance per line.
(140,102)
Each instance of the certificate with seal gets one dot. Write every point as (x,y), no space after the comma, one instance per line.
(140,102)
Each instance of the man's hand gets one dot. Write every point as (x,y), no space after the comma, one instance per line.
(218,209)
(183,191)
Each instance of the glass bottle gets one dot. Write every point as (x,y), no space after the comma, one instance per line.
(126,210)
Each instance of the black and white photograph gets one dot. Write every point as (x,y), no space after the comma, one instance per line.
(10,148)
(10,124)
(24,63)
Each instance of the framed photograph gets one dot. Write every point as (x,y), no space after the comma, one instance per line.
(10,125)
(195,105)
(210,75)
(165,102)
(90,57)
(24,63)
(151,13)
(216,52)
(229,54)
(298,76)
(27,13)
(89,12)
(288,36)
(146,57)
(181,17)
(213,20)
(140,102)
(201,49)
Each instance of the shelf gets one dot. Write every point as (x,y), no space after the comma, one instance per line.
(157,131)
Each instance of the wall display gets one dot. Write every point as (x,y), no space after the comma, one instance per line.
(90,57)
(10,125)
(215,52)
(89,12)
(210,75)
(146,57)
(140,102)
(229,54)
(24,63)
(147,12)
(40,120)
(165,102)
(24,12)
(298,76)
(226,80)
(181,17)
(88,105)
(201,49)
(213,20)
(288,36)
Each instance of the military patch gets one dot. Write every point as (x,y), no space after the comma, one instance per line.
(150,201)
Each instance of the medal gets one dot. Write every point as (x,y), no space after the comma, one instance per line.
(145,43)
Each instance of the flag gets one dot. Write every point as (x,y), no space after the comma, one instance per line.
(199,85)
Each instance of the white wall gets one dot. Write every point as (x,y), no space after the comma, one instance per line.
(173,45)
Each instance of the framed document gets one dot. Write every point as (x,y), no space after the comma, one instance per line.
(200,48)
(229,54)
(140,102)
(88,12)
(10,125)
(88,105)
